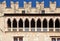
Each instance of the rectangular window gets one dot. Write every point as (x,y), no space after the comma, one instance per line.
(43,11)
(15,39)
(18,38)
(56,39)
(23,12)
(53,39)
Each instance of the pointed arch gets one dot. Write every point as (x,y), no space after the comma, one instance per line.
(14,23)
(26,23)
(51,23)
(9,23)
(38,23)
(57,23)
(20,23)
(32,23)
(44,23)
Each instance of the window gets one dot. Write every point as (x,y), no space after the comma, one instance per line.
(53,39)
(20,23)
(18,38)
(43,11)
(44,23)
(38,23)
(51,23)
(32,23)
(14,23)
(9,23)
(26,23)
(15,39)
(23,12)
(56,39)
(57,23)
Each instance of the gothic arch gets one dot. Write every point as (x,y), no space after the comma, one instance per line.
(57,23)
(27,23)
(14,23)
(32,23)
(45,23)
(9,23)
(38,23)
(51,23)
(20,23)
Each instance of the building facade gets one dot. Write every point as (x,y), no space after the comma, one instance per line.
(29,24)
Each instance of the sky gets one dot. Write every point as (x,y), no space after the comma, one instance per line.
(46,2)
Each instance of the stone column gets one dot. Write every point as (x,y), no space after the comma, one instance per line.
(41,25)
(29,25)
(18,39)
(23,26)
(54,26)
(17,26)
(35,25)
(11,25)
(47,25)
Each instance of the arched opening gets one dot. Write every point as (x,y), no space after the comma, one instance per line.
(20,23)
(26,23)
(32,23)
(57,23)
(9,23)
(44,23)
(51,23)
(14,23)
(38,23)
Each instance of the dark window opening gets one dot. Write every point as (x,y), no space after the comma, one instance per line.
(58,39)
(20,23)
(43,11)
(57,23)
(9,23)
(15,39)
(44,23)
(14,23)
(32,23)
(38,23)
(23,12)
(51,23)
(53,39)
(18,38)
(26,23)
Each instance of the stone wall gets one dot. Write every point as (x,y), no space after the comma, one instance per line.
(28,9)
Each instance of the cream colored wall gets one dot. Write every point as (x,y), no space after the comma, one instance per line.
(28,36)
